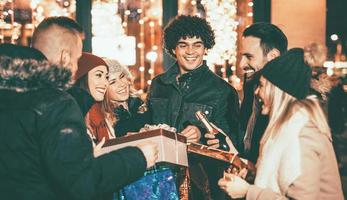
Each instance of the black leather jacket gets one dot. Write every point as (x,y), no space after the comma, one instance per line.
(174,102)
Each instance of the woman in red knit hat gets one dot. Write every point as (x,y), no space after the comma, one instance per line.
(89,89)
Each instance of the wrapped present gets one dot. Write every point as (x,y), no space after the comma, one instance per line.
(156,184)
(233,160)
(172,146)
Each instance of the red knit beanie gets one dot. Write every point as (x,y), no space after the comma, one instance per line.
(86,63)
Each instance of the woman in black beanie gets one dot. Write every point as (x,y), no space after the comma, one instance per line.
(297,159)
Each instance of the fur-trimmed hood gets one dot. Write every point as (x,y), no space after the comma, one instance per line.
(25,75)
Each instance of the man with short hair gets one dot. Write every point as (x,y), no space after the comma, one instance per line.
(45,151)
(189,86)
(261,43)
(60,40)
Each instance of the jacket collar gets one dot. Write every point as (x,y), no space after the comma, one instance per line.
(26,74)
(169,77)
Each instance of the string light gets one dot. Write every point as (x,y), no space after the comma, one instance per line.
(109,38)
(222,17)
(127,12)
(152,56)
(334,37)
(125,22)
(142,50)
(140,45)
(12,28)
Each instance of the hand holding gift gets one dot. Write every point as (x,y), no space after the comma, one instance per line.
(150,151)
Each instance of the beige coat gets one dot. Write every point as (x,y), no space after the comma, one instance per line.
(319,178)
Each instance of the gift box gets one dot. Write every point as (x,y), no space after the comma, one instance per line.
(172,146)
(236,164)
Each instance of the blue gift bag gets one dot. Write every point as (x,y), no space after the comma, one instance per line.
(158,184)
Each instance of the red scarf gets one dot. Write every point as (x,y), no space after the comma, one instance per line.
(96,123)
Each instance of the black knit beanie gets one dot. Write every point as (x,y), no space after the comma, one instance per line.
(290,73)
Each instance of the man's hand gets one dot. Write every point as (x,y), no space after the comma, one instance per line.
(150,151)
(192,133)
(211,140)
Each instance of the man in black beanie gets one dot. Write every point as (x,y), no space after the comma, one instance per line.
(261,43)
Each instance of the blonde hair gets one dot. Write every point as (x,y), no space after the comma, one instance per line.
(282,108)
(108,105)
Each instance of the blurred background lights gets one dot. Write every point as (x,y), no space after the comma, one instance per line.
(334,37)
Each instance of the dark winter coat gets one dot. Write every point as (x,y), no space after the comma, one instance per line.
(130,120)
(176,103)
(45,152)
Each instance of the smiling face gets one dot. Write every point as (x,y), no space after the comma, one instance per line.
(253,58)
(263,93)
(97,82)
(119,87)
(189,53)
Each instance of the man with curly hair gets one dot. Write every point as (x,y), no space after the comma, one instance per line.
(189,86)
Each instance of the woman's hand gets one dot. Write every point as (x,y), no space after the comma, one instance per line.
(97,149)
(233,185)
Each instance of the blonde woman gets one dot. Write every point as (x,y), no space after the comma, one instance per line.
(122,105)
(297,160)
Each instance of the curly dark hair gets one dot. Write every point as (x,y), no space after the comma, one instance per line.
(184,26)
